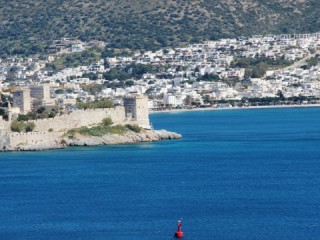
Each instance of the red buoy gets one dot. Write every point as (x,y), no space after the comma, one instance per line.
(179,233)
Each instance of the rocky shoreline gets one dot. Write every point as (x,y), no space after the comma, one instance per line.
(57,142)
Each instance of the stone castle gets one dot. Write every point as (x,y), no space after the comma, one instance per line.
(133,111)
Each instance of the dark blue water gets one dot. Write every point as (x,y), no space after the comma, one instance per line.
(239,174)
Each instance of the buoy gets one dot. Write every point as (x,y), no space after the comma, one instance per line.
(179,233)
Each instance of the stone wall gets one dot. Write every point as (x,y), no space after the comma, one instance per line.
(4,127)
(34,139)
(81,118)
(4,143)
(41,137)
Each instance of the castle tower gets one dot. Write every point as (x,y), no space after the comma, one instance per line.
(41,92)
(22,100)
(136,109)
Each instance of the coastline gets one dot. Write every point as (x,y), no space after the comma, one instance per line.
(232,108)
(51,141)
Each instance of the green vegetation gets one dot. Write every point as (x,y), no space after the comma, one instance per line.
(41,113)
(134,70)
(107,122)
(29,27)
(76,59)
(257,67)
(17,126)
(102,103)
(30,127)
(93,89)
(209,77)
(265,101)
(103,128)
(20,126)
(314,61)
(135,128)
(90,75)
(3,113)
(116,74)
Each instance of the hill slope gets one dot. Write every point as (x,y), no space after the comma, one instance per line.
(139,24)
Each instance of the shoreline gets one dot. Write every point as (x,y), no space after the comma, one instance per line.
(54,140)
(233,108)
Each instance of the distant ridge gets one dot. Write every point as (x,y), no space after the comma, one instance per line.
(26,26)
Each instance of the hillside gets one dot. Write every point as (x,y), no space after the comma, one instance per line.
(28,26)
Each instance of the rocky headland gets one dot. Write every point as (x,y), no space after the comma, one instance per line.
(84,127)
(49,141)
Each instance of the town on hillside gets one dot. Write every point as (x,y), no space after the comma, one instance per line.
(246,71)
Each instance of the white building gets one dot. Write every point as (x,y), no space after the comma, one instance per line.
(77,48)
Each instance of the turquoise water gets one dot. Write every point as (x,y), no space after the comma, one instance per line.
(236,174)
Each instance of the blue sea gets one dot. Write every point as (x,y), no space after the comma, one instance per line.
(249,174)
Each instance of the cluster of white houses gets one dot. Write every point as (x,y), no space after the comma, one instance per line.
(181,74)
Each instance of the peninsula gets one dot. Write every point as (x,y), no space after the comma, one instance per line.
(83,127)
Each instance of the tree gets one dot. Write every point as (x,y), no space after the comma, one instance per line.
(280,95)
(90,75)
(116,74)
(30,127)
(188,101)
(41,110)
(313,61)
(22,117)
(129,83)
(17,126)
(260,70)
(209,77)
(206,99)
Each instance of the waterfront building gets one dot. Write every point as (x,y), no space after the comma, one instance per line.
(136,108)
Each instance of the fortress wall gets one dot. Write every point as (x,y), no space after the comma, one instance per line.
(81,118)
(41,137)
(4,142)
(34,138)
(4,127)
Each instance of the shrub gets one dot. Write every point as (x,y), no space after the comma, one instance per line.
(107,122)
(29,127)
(134,128)
(119,129)
(50,130)
(17,126)
(99,130)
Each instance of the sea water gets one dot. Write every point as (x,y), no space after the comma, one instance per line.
(235,175)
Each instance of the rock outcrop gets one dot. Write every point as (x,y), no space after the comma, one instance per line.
(54,141)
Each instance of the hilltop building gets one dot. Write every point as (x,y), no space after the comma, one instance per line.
(77,48)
